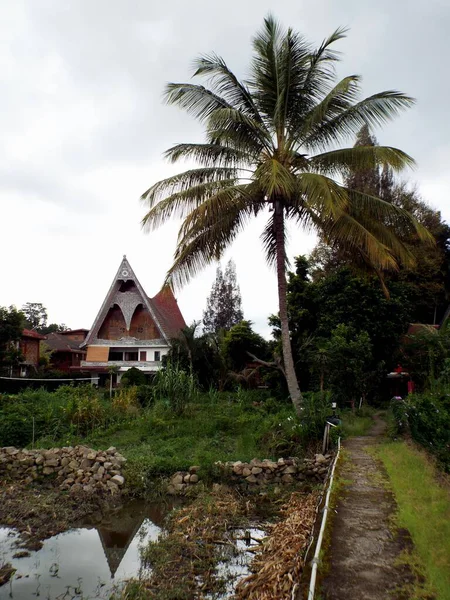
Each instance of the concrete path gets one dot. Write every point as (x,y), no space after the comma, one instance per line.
(364,545)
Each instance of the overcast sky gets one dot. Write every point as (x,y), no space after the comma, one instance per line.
(83,129)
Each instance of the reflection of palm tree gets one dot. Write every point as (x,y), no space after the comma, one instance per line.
(267,148)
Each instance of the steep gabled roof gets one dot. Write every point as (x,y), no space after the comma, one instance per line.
(163,308)
(169,311)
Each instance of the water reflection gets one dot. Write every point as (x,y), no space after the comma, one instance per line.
(86,562)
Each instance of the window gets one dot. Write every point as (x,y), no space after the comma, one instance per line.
(157,355)
(131,356)
(114,355)
(143,356)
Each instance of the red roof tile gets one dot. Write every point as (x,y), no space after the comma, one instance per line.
(169,312)
(29,333)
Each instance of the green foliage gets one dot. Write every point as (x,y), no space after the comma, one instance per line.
(35,315)
(426,417)
(238,342)
(317,309)
(133,377)
(423,509)
(349,358)
(426,355)
(11,326)
(176,386)
(223,307)
(66,412)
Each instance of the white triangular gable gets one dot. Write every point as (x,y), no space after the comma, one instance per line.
(127,301)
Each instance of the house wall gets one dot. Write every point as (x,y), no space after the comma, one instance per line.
(142,325)
(30,349)
(64,360)
(77,337)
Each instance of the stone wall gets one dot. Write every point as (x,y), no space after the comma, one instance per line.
(258,472)
(74,469)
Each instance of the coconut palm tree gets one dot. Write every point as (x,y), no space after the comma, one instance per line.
(272,144)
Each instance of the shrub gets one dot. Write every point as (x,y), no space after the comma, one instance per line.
(427,418)
(133,377)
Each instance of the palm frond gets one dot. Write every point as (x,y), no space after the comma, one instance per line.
(358,158)
(230,127)
(264,82)
(184,181)
(374,111)
(227,84)
(204,242)
(399,219)
(182,203)
(209,155)
(244,198)
(321,194)
(350,233)
(320,74)
(340,98)
(195,99)
(275,179)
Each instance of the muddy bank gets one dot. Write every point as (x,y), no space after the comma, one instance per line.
(39,512)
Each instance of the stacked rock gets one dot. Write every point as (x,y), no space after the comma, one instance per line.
(260,472)
(181,481)
(74,469)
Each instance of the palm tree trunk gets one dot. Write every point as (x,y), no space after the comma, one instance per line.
(291,377)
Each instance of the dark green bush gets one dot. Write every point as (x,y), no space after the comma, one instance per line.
(427,418)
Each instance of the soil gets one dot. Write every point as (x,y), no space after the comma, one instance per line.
(38,512)
(367,553)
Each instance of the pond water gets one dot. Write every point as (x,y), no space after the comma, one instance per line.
(83,563)
(91,562)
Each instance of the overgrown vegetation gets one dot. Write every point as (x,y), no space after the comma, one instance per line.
(155,435)
(68,412)
(423,509)
(426,417)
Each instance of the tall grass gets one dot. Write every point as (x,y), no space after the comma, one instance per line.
(176,386)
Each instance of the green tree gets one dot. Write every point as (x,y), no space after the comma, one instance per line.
(54,328)
(133,376)
(35,315)
(223,307)
(268,147)
(427,278)
(11,326)
(349,360)
(198,355)
(239,341)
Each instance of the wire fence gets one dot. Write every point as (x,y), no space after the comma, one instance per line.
(327,489)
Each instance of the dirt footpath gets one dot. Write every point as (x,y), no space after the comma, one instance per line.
(365,547)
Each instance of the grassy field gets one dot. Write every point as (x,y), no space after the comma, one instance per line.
(423,508)
(158,442)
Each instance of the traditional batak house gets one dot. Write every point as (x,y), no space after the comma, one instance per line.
(131,329)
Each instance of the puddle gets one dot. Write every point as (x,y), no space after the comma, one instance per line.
(84,563)
(237,557)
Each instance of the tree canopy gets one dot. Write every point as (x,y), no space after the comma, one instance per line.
(224,305)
